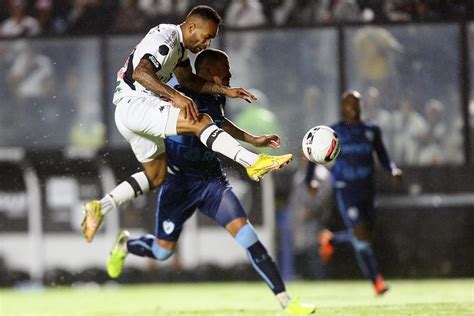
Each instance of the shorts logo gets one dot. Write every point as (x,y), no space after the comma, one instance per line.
(353,213)
(168,226)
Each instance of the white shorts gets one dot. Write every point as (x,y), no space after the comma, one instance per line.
(144,122)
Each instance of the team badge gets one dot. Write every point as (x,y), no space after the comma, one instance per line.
(163,50)
(168,226)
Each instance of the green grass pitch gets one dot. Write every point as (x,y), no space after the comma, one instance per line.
(407,297)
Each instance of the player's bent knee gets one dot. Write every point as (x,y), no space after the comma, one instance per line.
(161,253)
(246,236)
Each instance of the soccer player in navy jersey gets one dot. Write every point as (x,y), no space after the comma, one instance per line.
(196,181)
(353,175)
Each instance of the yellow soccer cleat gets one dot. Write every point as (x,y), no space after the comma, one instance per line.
(93,217)
(265,164)
(117,255)
(295,307)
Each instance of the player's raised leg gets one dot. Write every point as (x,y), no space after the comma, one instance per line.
(218,140)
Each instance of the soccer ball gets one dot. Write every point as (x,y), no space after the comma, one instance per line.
(321,145)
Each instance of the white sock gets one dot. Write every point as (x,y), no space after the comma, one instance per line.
(107,204)
(220,141)
(283,298)
(126,191)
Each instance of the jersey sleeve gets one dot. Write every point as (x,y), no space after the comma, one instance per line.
(381,151)
(155,48)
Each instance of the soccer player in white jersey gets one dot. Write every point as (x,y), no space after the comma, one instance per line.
(148,110)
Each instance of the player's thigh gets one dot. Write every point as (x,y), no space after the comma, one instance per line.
(348,207)
(177,201)
(148,116)
(222,205)
(140,130)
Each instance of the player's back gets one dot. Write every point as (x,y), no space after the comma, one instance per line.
(187,155)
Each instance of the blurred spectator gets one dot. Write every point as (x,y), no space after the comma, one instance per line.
(245,13)
(257,119)
(51,22)
(431,152)
(161,11)
(309,211)
(409,129)
(373,110)
(129,18)
(424,10)
(31,74)
(345,11)
(219,5)
(398,10)
(19,23)
(90,17)
(31,81)
(312,107)
(376,50)
(306,12)
(277,11)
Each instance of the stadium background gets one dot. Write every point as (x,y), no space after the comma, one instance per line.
(60,147)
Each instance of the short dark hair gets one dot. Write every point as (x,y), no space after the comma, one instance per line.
(206,12)
(207,56)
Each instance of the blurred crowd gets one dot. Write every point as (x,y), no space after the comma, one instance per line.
(34,17)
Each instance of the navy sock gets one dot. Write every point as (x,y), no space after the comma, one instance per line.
(366,258)
(266,267)
(142,246)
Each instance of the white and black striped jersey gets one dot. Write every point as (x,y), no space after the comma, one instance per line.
(163,46)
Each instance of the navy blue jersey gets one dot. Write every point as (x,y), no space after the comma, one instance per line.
(355,162)
(187,155)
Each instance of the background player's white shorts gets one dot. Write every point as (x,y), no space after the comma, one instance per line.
(144,122)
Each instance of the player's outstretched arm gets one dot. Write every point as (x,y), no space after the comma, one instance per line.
(272,141)
(188,79)
(145,74)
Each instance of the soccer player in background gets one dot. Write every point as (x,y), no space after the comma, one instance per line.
(353,175)
(196,180)
(148,110)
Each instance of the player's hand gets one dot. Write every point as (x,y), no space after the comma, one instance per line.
(240,93)
(187,105)
(272,141)
(397,174)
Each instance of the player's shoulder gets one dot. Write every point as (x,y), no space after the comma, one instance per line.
(337,125)
(164,33)
(371,124)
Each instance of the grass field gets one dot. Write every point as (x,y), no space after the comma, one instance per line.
(413,297)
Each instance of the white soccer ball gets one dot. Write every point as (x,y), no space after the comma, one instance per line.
(321,144)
